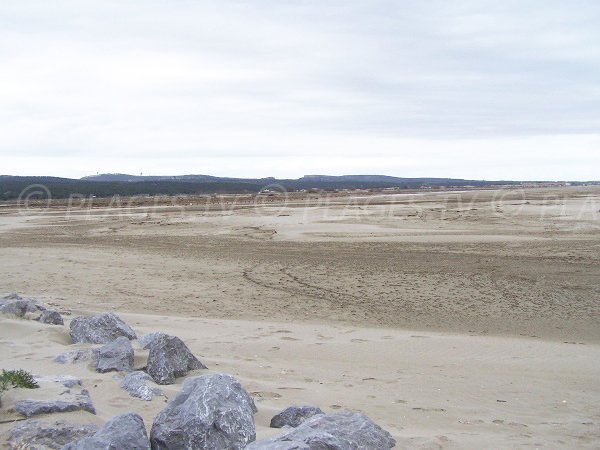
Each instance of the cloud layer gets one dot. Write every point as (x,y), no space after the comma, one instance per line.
(473,89)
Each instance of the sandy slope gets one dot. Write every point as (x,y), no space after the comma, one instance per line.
(310,301)
(432,389)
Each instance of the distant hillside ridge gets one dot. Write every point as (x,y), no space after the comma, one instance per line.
(380,179)
(108,185)
(191,178)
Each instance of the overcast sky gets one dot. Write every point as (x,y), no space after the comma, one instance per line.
(475,89)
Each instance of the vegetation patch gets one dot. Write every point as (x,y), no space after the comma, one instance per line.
(16,379)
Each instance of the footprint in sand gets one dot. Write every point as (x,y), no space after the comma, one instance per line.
(287,338)
(358,340)
(273,349)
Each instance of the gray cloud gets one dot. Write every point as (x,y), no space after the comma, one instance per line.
(332,86)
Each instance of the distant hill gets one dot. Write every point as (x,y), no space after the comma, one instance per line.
(386,179)
(107,185)
(12,187)
(313,180)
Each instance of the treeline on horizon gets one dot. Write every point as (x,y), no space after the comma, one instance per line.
(14,187)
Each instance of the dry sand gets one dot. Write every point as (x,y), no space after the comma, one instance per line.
(454,320)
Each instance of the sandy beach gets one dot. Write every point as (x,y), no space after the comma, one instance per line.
(452,319)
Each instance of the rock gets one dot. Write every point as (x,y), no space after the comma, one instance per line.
(126,431)
(117,355)
(341,431)
(47,435)
(74,356)
(67,381)
(99,329)
(284,445)
(147,339)
(51,317)
(16,305)
(169,358)
(210,412)
(74,402)
(10,296)
(294,416)
(135,383)
(14,308)
(62,393)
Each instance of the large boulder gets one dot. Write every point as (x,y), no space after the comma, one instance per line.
(99,329)
(51,317)
(294,416)
(210,412)
(116,355)
(170,358)
(139,384)
(342,431)
(47,435)
(126,431)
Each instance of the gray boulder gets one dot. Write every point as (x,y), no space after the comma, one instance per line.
(126,432)
(15,305)
(136,384)
(210,412)
(51,317)
(14,308)
(10,296)
(294,416)
(80,401)
(149,338)
(342,431)
(59,393)
(46,435)
(117,355)
(99,329)
(74,356)
(170,358)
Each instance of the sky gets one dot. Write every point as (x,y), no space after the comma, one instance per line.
(450,88)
